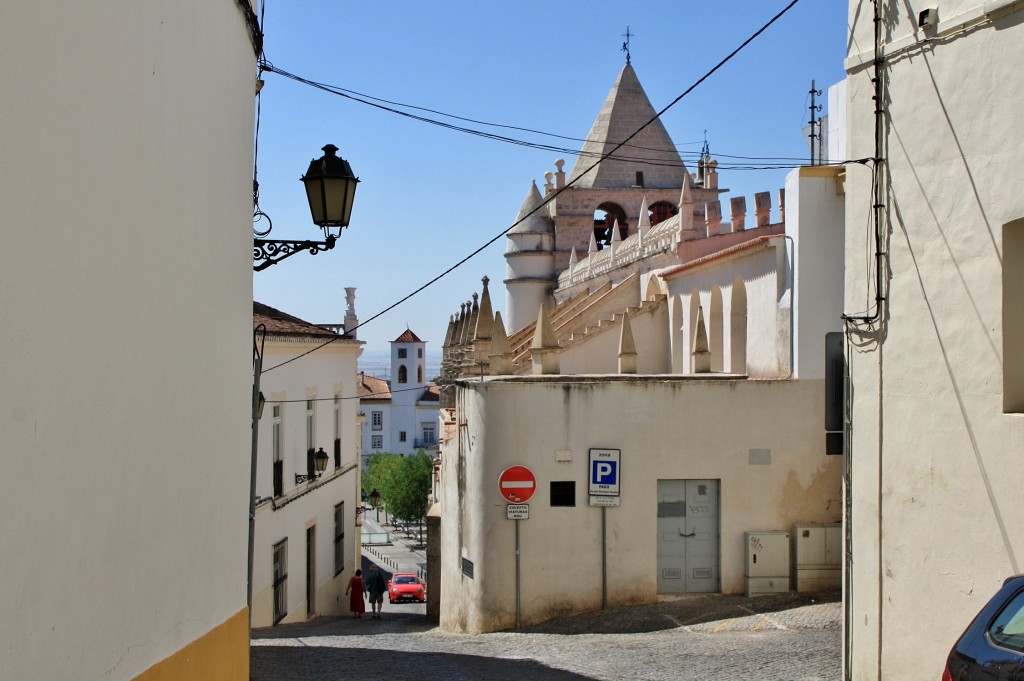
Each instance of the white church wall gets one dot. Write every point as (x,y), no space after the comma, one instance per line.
(598,352)
(815,224)
(666,429)
(767,345)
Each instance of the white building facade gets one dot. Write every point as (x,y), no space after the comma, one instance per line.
(934,296)
(125,198)
(307,536)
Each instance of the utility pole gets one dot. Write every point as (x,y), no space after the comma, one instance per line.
(815,134)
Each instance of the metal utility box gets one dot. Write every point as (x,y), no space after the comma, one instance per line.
(767,562)
(817,557)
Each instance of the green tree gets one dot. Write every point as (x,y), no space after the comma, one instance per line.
(403,483)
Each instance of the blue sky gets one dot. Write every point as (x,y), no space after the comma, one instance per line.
(429,196)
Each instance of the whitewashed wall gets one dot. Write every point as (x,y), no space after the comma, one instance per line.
(125,351)
(671,428)
(935,458)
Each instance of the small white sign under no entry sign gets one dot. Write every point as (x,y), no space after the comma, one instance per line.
(517,511)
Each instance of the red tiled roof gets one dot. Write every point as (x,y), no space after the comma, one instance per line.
(431,394)
(280,323)
(371,388)
(407,337)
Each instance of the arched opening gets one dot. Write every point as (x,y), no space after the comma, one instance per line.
(653,288)
(604,218)
(715,331)
(403,374)
(661,211)
(419,374)
(738,328)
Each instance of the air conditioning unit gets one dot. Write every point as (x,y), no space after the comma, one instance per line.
(817,557)
(767,562)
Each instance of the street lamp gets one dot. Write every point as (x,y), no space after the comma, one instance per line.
(320,460)
(331,190)
(374,498)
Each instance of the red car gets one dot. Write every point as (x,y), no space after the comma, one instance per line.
(406,587)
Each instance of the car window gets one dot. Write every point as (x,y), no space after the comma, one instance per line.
(1007,629)
(405,580)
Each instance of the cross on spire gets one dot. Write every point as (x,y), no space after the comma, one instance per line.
(625,46)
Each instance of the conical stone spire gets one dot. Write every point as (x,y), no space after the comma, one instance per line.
(545,345)
(651,151)
(531,217)
(701,356)
(616,238)
(484,326)
(643,223)
(687,229)
(501,352)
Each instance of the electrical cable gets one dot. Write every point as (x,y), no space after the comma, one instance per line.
(555,193)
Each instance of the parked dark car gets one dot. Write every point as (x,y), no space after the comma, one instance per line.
(992,647)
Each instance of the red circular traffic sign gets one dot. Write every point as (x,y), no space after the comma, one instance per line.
(517,484)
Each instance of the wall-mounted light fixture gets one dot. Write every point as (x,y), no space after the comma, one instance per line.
(320,460)
(331,190)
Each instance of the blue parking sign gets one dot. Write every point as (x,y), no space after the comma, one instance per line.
(604,472)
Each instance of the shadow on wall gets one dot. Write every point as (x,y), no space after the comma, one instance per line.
(272,663)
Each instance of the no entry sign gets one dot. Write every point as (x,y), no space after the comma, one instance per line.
(517,484)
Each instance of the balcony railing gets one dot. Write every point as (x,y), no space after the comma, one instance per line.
(423,444)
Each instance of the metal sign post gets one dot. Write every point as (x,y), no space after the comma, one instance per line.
(516,485)
(605,475)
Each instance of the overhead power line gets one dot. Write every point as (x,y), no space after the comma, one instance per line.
(548,198)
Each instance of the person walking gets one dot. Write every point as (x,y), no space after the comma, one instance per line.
(376,586)
(355,588)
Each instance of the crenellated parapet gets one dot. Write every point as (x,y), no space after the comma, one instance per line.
(673,239)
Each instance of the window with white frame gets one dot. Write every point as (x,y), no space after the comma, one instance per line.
(401,353)
(401,436)
(376,442)
(377,420)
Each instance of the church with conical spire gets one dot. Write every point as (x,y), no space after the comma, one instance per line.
(683,343)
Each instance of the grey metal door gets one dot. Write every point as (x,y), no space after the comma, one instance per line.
(688,536)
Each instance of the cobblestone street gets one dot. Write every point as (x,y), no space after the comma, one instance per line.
(786,637)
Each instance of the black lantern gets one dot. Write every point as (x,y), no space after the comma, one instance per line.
(331,189)
(320,460)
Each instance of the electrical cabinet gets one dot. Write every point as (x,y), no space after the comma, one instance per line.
(817,557)
(767,562)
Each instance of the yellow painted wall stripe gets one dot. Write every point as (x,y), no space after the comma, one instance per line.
(220,655)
